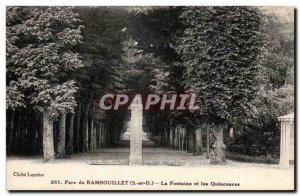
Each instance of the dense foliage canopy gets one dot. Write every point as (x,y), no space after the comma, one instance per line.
(238,60)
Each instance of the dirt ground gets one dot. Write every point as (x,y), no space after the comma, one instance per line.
(151,156)
(161,166)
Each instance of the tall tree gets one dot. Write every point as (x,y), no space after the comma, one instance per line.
(276,93)
(41,58)
(104,68)
(219,48)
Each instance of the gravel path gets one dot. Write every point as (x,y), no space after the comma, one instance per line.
(151,156)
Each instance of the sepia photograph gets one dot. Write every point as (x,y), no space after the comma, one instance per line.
(150,98)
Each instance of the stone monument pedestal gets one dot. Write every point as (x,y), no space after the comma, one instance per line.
(135,160)
(136,130)
(286,140)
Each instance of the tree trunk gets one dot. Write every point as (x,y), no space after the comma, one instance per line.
(86,133)
(85,121)
(105,135)
(217,150)
(231,136)
(71,135)
(171,137)
(11,133)
(183,138)
(100,135)
(179,138)
(97,135)
(198,142)
(175,144)
(190,140)
(207,142)
(77,141)
(61,146)
(48,145)
(92,134)
(96,132)
(86,126)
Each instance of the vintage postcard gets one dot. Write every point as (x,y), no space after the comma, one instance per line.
(147,98)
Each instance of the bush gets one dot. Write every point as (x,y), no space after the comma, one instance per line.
(260,137)
(250,159)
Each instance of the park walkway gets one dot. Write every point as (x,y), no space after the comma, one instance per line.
(152,155)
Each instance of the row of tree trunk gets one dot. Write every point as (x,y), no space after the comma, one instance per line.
(207,138)
(33,133)
(187,139)
(30,132)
